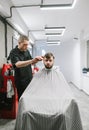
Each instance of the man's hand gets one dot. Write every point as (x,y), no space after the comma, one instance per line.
(39,58)
(36,59)
(20,64)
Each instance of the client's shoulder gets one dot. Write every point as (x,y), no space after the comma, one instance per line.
(56,68)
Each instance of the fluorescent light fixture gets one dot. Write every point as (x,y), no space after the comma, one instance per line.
(54,28)
(53,42)
(29,46)
(43,52)
(53,34)
(16,35)
(54,31)
(58,6)
(63,30)
(73,4)
(31,41)
(19,28)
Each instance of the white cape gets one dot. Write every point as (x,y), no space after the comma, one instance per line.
(48,104)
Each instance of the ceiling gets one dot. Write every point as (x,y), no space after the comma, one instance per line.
(73,20)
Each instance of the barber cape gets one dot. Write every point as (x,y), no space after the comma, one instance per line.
(48,104)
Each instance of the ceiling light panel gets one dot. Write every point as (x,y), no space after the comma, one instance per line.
(53,43)
(54,31)
(53,34)
(57,4)
(25,2)
(53,40)
(57,38)
(46,2)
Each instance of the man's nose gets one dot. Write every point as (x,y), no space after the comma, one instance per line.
(48,62)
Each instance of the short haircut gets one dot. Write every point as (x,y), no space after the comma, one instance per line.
(49,55)
(22,38)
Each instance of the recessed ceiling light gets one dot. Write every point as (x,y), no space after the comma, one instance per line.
(58,6)
(54,31)
(53,42)
(53,34)
(50,44)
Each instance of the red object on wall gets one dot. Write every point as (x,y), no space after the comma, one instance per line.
(6,113)
(35,69)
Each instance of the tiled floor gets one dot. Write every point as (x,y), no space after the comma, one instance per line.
(83,103)
(7,124)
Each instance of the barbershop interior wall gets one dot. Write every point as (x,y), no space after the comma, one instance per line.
(67,56)
(2,43)
(12,39)
(39,47)
(10,33)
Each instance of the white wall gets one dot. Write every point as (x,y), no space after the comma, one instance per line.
(67,56)
(9,39)
(2,44)
(12,39)
(63,58)
(37,50)
(10,32)
(76,79)
(84,36)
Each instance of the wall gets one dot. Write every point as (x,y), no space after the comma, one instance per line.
(12,39)
(76,79)
(6,34)
(9,39)
(2,43)
(63,59)
(84,36)
(67,56)
(37,50)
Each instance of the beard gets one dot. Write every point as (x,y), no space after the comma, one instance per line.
(48,67)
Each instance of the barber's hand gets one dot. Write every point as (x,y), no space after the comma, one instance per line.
(37,58)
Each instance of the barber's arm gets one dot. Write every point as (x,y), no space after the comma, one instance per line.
(19,64)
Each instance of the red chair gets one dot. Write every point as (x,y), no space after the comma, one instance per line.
(11,111)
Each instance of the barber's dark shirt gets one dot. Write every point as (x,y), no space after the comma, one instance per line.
(22,74)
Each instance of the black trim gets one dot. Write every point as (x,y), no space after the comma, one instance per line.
(2,19)
(22,6)
(5,39)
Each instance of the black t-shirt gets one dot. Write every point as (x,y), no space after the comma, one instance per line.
(22,74)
